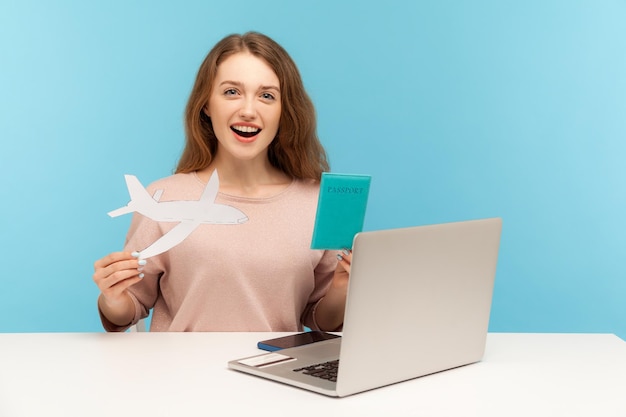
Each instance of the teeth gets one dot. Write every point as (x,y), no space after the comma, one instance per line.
(246,129)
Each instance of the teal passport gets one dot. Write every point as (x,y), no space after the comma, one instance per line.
(340,210)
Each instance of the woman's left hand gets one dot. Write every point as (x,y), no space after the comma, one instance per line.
(331,308)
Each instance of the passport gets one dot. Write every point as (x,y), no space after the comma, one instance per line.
(340,210)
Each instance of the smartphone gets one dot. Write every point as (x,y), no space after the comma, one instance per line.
(294,340)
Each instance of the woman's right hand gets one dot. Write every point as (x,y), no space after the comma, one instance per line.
(113,275)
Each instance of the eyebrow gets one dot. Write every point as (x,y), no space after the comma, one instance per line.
(240,84)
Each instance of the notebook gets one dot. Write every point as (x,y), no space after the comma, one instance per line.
(419,300)
(340,210)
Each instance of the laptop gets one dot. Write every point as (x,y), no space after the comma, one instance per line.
(419,300)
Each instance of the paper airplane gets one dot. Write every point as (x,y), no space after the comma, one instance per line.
(189,214)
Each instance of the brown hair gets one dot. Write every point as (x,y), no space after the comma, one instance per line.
(296,150)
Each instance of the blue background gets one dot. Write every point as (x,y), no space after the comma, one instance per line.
(459,110)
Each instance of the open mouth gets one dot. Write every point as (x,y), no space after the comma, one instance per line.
(245,131)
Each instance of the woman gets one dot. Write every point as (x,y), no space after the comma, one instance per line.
(250,119)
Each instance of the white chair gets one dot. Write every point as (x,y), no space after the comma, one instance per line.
(140,326)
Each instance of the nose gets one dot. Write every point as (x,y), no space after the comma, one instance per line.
(248,109)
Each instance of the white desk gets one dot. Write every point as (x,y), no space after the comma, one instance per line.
(185,374)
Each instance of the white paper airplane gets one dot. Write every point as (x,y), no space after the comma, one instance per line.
(189,214)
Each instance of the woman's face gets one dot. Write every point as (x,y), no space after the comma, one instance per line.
(244,107)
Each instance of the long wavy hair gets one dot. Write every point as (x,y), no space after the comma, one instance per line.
(296,149)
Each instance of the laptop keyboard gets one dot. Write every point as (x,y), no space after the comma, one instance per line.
(326,370)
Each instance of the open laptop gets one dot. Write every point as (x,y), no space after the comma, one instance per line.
(418,302)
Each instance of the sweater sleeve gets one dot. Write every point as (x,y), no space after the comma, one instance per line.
(110,327)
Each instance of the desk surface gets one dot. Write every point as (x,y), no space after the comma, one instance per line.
(185,374)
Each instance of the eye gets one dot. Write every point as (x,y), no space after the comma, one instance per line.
(268,96)
(230,92)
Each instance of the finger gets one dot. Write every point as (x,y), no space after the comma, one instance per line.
(346,265)
(107,277)
(102,273)
(113,258)
(345,255)
(117,277)
(344,261)
(115,292)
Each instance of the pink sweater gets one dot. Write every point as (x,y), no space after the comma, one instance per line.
(257,276)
